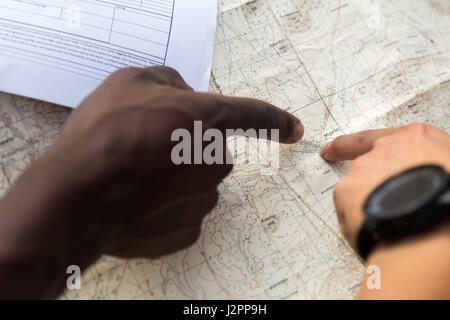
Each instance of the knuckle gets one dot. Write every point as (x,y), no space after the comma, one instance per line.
(170,72)
(148,74)
(162,74)
(417,127)
(156,74)
(161,69)
(381,142)
(156,70)
(362,139)
(125,72)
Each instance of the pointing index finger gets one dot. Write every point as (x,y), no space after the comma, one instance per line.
(246,113)
(351,146)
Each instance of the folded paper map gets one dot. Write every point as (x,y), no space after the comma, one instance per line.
(340,66)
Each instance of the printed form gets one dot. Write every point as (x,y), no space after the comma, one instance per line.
(61,50)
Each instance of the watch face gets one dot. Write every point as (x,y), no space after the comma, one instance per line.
(406,192)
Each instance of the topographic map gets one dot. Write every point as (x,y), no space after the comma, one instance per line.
(340,66)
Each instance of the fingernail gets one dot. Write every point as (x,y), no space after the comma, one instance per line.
(324,149)
(298,132)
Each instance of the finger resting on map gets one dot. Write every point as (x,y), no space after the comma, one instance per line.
(351,146)
(264,118)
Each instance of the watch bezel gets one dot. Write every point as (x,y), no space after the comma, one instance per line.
(443,183)
(385,227)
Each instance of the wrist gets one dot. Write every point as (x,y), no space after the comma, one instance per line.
(45,225)
(412,268)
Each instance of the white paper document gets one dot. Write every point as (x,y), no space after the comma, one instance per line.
(61,50)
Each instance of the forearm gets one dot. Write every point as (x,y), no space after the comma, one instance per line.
(39,236)
(415,268)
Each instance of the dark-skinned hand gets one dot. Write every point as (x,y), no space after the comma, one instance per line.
(108,185)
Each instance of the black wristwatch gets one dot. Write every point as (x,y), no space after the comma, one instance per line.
(408,203)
